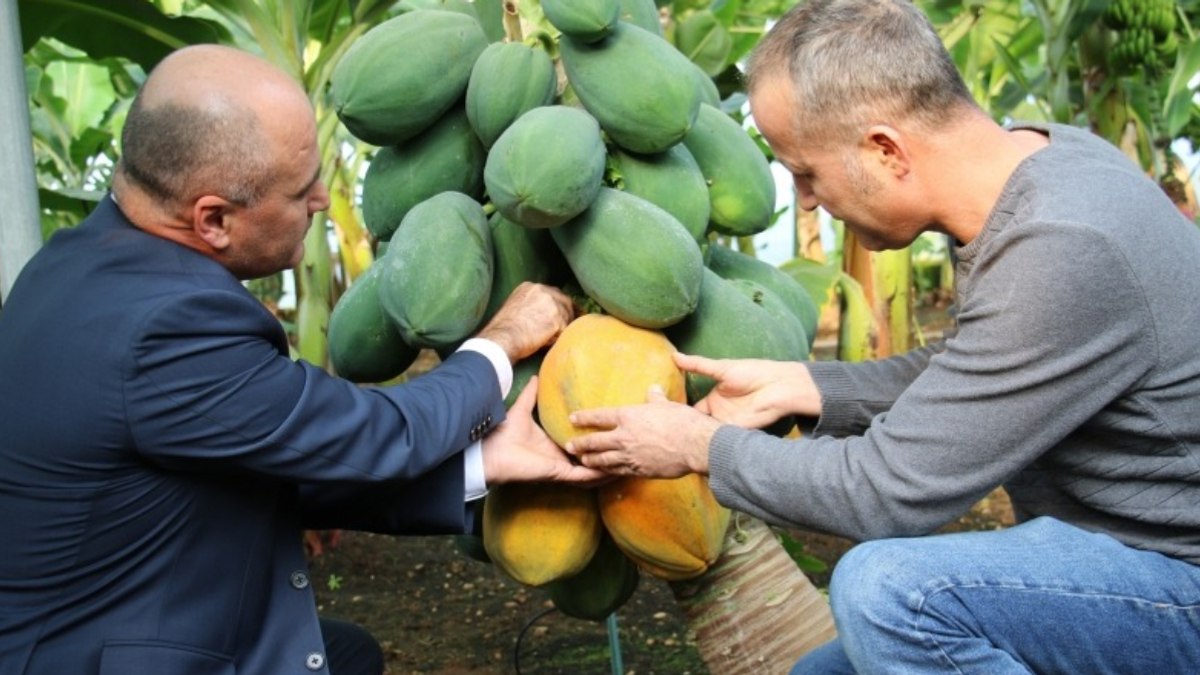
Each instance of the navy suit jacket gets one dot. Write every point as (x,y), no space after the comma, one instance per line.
(160,455)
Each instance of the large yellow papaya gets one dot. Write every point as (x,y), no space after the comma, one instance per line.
(672,528)
(540,532)
(600,361)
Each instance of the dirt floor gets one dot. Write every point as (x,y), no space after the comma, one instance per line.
(438,611)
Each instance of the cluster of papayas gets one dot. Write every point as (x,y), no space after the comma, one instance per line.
(592,156)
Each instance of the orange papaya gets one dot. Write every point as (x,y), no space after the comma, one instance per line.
(601,361)
(537,533)
(674,529)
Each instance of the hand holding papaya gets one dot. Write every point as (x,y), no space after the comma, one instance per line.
(519,451)
(531,317)
(657,439)
(753,392)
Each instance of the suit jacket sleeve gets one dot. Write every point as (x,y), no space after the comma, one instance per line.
(209,389)
(430,504)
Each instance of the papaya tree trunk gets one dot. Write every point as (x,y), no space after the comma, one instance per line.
(754,611)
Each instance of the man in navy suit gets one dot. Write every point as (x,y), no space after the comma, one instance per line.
(160,453)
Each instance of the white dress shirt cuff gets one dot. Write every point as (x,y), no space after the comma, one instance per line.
(473,480)
(495,354)
(475,484)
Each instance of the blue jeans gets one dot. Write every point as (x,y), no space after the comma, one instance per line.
(1042,597)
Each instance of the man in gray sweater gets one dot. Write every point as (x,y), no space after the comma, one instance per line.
(1073,379)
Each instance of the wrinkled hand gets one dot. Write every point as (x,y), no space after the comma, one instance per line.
(656,439)
(518,450)
(753,393)
(531,317)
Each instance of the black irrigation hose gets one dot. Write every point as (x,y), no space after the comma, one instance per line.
(526,627)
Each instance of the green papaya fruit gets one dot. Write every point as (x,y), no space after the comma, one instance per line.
(584,20)
(793,338)
(445,157)
(704,40)
(460,6)
(381,102)
(789,333)
(601,588)
(740,185)
(521,254)
(364,346)
(508,80)
(637,85)
(708,88)
(471,545)
(547,167)
(633,258)
(491,17)
(437,273)
(726,324)
(731,264)
(670,179)
(643,14)
(523,371)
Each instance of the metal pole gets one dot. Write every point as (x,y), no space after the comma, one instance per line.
(614,645)
(20,225)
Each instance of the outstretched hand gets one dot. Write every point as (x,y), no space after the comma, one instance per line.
(753,392)
(656,439)
(519,450)
(531,318)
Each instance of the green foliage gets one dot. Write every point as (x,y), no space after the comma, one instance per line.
(805,561)
(132,29)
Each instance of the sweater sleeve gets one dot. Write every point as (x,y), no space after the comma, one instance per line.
(1054,328)
(854,393)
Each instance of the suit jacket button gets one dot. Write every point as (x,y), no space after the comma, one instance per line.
(299,580)
(314,661)
(487,420)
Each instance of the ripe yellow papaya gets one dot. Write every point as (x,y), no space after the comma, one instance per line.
(673,529)
(600,361)
(540,532)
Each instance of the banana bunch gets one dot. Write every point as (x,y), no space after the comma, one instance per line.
(1145,34)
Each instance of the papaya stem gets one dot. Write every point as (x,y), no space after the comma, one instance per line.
(512,21)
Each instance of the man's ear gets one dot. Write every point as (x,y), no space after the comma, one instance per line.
(885,147)
(211,220)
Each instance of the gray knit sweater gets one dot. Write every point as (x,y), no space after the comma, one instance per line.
(1073,379)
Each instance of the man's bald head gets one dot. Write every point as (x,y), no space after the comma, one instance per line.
(203,124)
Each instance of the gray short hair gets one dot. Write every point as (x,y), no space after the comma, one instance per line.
(174,151)
(855,62)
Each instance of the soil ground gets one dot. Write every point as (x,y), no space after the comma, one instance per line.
(437,611)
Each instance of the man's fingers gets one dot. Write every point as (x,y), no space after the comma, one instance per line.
(656,394)
(597,418)
(527,398)
(597,441)
(586,475)
(699,365)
